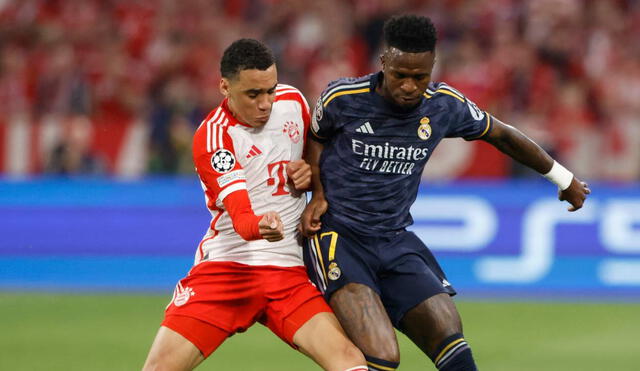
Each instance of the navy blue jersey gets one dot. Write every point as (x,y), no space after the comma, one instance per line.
(374,153)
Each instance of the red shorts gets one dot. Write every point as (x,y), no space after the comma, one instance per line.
(231,297)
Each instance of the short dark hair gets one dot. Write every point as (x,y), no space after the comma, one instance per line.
(410,33)
(245,54)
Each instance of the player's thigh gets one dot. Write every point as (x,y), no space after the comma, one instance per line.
(432,321)
(172,351)
(322,339)
(364,318)
(337,256)
(412,275)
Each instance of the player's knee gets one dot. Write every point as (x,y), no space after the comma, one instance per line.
(160,364)
(385,350)
(381,348)
(154,364)
(379,364)
(352,355)
(391,355)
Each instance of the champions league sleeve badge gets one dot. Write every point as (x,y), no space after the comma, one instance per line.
(424,130)
(223,161)
(318,111)
(317,116)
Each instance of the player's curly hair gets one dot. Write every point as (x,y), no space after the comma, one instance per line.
(410,33)
(245,54)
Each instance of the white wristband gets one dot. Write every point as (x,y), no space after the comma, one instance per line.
(560,176)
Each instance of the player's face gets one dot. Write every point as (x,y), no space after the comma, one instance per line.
(406,76)
(251,94)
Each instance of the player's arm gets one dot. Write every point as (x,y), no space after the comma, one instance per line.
(298,171)
(310,220)
(321,129)
(249,225)
(227,184)
(518,146)
(299,175)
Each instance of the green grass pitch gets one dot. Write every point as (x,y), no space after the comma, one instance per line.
(114,332)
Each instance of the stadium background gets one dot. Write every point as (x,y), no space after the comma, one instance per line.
(99,99)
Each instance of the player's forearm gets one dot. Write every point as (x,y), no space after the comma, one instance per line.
(245,221)
(518,146)
(312,156)
(246,226)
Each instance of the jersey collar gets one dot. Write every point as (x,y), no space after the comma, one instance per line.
(232,119)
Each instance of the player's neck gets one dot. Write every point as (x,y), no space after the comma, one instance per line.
(227,105)
(231,110)
(381,91)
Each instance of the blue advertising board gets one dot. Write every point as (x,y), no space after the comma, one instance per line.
(506,238)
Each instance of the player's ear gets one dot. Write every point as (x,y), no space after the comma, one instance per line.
(224,87)
(382,60)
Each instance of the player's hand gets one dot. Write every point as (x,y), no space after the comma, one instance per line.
(299,173)
(310,220)
(270,226)
(575,194)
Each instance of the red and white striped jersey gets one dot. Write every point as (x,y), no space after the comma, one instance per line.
(231,156)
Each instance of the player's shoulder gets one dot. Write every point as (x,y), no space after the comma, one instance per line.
(439,90)
(210,134)
(286,92)
(345,89)
(453,101)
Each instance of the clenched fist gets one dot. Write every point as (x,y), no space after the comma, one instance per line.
(299,174)
(270,226)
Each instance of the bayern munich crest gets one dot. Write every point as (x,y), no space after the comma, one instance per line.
(424,130)
(291,129)
(223,161)
(182,297)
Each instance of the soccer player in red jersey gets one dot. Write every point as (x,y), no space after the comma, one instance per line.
(248,267)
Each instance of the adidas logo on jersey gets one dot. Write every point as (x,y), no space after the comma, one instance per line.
(254,151)
(365,128)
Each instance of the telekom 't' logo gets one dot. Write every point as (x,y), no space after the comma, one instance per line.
(278,179)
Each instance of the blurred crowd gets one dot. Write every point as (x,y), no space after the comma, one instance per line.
(109,82)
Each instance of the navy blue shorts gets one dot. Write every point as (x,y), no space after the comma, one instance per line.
(399,268)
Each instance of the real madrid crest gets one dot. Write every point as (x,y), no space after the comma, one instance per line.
(334,271)
(424,130)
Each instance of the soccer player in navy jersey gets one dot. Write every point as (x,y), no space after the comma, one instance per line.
(371,138)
